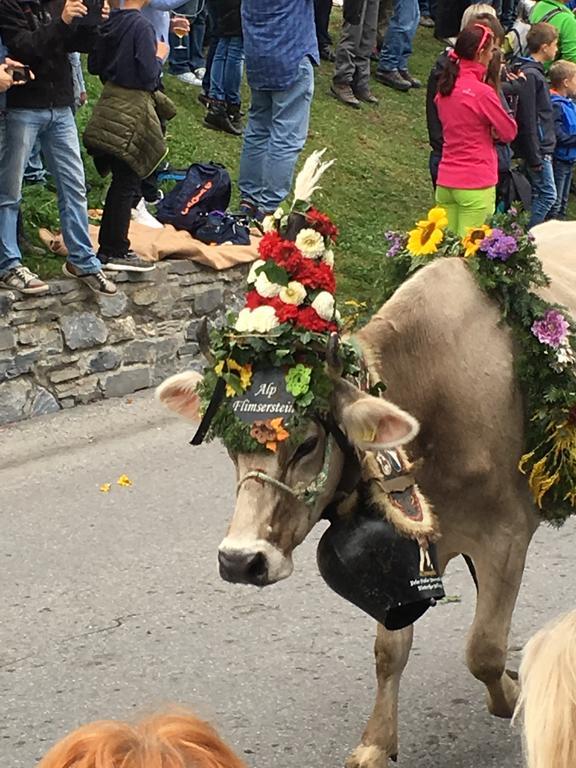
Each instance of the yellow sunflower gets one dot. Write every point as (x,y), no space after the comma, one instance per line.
(473,239)
(429,233)
(244,374)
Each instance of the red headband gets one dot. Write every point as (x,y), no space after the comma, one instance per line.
(486,33)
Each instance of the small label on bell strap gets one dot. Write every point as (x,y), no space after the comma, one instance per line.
(213,405)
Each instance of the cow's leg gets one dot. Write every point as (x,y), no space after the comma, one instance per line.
(499,561)
(380,738)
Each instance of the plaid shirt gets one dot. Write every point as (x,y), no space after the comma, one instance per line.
(278,34)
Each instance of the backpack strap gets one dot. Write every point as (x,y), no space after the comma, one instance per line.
(550,15)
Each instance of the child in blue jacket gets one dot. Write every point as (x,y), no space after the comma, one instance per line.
(563,91)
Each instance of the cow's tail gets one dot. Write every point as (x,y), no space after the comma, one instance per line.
(547,702)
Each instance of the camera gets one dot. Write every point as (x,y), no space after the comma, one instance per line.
(20,74)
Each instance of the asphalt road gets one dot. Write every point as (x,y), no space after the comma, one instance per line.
(111,605)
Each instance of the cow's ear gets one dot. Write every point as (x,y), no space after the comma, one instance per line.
(178,393)
(373,423)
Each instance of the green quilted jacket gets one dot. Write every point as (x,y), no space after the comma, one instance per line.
(126,124)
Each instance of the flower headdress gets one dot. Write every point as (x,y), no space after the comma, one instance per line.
(267,364)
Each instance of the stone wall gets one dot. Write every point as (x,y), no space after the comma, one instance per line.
(72,346)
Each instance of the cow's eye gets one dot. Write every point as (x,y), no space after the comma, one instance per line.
(304,449)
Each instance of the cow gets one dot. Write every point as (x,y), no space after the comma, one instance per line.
(452,399)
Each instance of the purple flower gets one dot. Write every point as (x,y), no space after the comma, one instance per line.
(499,245)
(552,329)
(396,243)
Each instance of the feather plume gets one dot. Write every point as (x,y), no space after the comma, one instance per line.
(308,178)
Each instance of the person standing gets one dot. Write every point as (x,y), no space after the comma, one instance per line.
(281,50)
(563,93)
(397,47)
(43,109)
(472,118)
(351,81)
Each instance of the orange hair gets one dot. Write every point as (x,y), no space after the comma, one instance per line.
(174,740)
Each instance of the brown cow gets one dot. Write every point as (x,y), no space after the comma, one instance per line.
(447,360)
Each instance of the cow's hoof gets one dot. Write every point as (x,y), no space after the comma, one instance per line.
(367,757)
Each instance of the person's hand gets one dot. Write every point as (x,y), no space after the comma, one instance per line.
(83,98)
(73,9)
(106,10)
(162,50)
(5,78)
(181,23)
(536,168)
(515,75)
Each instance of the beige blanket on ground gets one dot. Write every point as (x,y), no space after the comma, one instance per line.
(556,244)
(169,243)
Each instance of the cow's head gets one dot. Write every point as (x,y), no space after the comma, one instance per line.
(281,495)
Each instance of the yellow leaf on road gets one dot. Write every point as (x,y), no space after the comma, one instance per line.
(105,487)
(124,481)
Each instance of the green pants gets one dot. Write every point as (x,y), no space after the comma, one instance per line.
(466,207)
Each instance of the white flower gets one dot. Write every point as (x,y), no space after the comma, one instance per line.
(293,293)
(278,214)
(324,305)
(252,274)
(328,258)
(259,320)
(265,287)
(311,243)
(269,224)
(337,317)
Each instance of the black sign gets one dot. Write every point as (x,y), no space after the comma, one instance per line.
(266,399)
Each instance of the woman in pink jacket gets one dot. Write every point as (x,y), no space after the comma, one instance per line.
(472,117)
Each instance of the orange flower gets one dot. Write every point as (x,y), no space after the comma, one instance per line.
(269,433)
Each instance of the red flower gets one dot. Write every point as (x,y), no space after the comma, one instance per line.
(286,255)
(322,223)
(253,300)
(284,312)
(308,318)
(268,244)
(316,275)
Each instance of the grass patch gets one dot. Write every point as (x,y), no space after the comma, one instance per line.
(380,180)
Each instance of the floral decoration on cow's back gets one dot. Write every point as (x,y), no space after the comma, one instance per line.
(502,255)
(289,312)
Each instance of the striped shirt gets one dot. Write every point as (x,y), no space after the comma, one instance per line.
(278,34)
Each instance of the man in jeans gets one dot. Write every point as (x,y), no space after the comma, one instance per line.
(42,109)
(280,49)
(397,47)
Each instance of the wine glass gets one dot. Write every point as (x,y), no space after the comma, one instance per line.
(180,29)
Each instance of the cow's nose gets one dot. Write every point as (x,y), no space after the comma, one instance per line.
(243,567)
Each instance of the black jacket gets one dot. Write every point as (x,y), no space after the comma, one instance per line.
(535,116)
(124,52)
(34,34)
(227,16)
(435,135)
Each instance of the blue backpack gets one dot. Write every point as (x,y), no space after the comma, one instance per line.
(205,188)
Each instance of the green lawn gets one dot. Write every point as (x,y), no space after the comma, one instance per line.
(380,179)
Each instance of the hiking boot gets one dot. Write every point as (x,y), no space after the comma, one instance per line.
(235,114)
(414,82)
(344,93)
(366,96)
(204,99)
(24,281)
(327,54)
(393,79)
(96,281)
(217,119)
(127,262)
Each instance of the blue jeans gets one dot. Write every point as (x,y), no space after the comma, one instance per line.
(276,132)
(563,179)
(191,57)
(56,130)
(397,45)
(226,70)
(543,191)
(35,172)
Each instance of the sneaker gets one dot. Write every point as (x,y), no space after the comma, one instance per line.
(141,215)
(366,96)
(189,78)
(200,72)
(393,79)
(414,82)
(96,281)
(129,262)
(343,92)
(21,279)
(426,21)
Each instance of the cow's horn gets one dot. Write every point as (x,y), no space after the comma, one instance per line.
(203,338)
(332,357)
